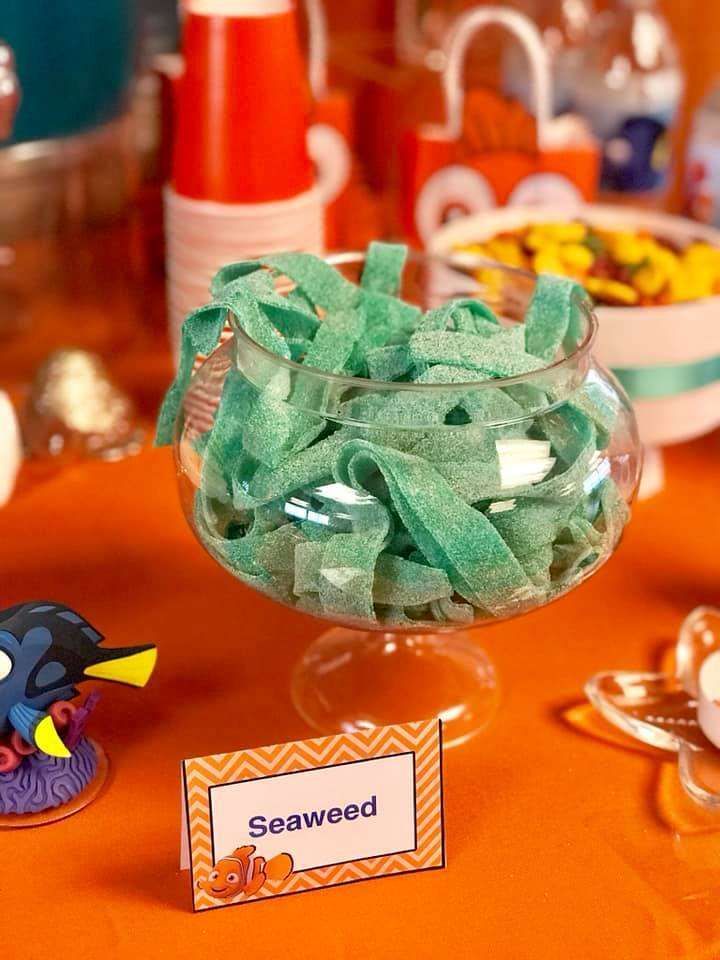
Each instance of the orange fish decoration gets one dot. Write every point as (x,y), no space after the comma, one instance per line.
(493,122)
(244,873)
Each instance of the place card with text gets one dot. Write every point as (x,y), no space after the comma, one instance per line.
(300,816)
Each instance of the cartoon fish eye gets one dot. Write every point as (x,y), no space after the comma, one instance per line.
(6,665)
(213,876)
(232,878)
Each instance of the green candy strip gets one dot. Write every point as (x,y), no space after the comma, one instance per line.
(334,342)
(311,467)
(449,533)
(402,583)
(462,316)
(388,363)
(553,316)
(322,284)
(384,265)
(490,356)
(225,453)
(201,334)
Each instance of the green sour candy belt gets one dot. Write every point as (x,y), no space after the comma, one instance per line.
(388,363)
(489,356)
(383,269)
(321,283)
(450,534)
(406,507)
(553,316)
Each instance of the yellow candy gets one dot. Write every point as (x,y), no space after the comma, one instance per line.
(703,263)
(491,281)
(475,248)
(564,232)
(577,256)
(506,251)
(650,280)
(665,259)
(605,289)
(700,253)
(548,261)
(540,234)
(536,239)
(628,248)
(691,283)
(660,274)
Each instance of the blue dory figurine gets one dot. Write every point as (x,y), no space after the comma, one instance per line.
(45,650)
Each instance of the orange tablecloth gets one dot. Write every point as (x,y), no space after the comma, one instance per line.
(555,845)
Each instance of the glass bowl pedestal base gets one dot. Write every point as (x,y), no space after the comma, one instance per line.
(352,680)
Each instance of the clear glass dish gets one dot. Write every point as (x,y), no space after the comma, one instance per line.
(430,509)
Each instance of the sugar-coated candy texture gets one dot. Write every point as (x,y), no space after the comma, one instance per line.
(553,316)
(384,265)
(388,363)
(443,494)
(449,534)
(462,316)
(200,335)
(322,284)
(489,356)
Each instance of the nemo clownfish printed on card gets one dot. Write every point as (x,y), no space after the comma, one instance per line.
(244,872)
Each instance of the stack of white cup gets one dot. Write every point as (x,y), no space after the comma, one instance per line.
(202,235)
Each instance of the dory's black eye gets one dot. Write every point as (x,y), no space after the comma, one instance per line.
(49,674)
(6,665)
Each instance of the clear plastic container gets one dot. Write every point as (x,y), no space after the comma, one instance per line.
(629,89)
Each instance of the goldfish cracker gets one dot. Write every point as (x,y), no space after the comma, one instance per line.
(612,290)
(577,256)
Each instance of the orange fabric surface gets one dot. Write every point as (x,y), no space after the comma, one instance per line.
(554,848)
(555,845)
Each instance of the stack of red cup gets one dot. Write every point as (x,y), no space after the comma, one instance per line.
(242,182)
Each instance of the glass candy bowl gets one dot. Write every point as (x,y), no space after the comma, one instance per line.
(472,470)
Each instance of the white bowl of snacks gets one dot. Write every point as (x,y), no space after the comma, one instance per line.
(655,279)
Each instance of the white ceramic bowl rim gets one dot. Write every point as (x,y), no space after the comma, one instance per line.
(483,226)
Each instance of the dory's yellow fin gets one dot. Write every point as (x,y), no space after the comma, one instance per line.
(47,739)
(134,669)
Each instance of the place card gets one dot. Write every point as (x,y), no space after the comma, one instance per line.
(293,817)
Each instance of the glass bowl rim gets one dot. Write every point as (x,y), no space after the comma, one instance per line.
(340,258)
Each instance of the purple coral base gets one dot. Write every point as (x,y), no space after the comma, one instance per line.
(43,783)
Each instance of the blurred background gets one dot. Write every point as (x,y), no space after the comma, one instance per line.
(111,111)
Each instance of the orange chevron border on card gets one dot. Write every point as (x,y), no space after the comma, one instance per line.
(422,738)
